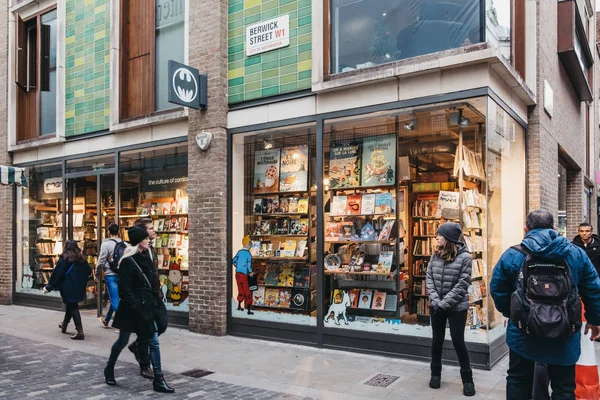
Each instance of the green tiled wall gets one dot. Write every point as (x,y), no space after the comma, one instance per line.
(87,66)
(279,71)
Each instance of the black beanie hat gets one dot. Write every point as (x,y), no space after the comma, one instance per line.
(451,231)
(136,235)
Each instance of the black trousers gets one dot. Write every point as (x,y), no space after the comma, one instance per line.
(73,312)
(520,379)
(457,321)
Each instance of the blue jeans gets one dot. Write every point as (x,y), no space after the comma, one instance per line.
(112,287)
(150,345)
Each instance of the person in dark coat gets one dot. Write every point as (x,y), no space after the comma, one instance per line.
(589,242)
(70,277)
(136,309)
(448,279)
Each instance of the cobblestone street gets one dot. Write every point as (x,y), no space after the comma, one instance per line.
(38,370)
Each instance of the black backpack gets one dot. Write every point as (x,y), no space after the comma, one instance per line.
(113,259)
(546,303)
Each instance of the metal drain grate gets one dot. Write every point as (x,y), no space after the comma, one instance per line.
(381,380)
(197,373)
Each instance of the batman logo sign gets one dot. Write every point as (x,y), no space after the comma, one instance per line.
(185,85)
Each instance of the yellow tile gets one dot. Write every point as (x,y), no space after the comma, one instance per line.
(70,114)
(251,3)
(79,93)
(236,73)
(99,35)
(70,40)
(305,65)
(107,112)
(79,61)
(99,9)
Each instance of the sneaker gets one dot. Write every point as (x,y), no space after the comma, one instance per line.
(435,381)
(469,389)
(103,322)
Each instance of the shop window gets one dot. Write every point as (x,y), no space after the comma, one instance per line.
(505,193)
(39,228)
(274,197)
(35,75)
(367,33)
(153,185)
(150,37)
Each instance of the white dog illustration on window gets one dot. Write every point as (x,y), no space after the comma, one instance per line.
(337,311)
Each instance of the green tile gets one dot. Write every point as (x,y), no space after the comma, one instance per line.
(303,12)
(235,24)
(235,90)
(270,14)
(269,5)
(234,2)
(252,86)
(235,8)
(272,73)
(236,81)
(304,47)
(253,95)
(288,69)
(236,98)
(236,48)
(236,41)
(304,39)
(288,87)
(304,74)
(270,82)
(235,65)
(293,23)
(252,69)
(236,57)
(288,8)
(252,60)
(270,65)
(284,2)
(288,78)
(270,56)
(288,60)
(252,19)
(304,21)
(252,78)
(304,84)
(288,51)
(235,16)
(304,3)
(271,91)
(235,32)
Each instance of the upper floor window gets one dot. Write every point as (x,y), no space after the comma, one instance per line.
(150,37)
(35,75)
(367,33)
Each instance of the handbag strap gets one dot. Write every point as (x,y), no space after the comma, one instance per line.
(142,272)
(70,269)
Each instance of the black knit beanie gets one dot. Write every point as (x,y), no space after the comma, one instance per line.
(451,231)
(136,235)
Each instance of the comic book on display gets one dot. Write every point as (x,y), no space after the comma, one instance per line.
(383,203)
(266,171)
(378,300)
(367,204)
(285,296)
(364,301)
(299,299)
(272,275)
(344,164)
(294,169)
(354,295)
(271,297)
(353,204)
(301,277)
(302,207)
(258,296)
(339,205)
(379,161)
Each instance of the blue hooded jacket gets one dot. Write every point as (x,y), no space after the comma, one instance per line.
(548,244)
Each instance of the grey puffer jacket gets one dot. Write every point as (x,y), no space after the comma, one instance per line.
(448,282)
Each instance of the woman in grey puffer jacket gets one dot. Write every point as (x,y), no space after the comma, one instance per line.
(448,281)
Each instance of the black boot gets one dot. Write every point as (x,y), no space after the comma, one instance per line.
(63,326)
(133,348)
(160,385)
(466,375)
(79,335)
(435,382)
(109,375)
(146,372)
(249,307)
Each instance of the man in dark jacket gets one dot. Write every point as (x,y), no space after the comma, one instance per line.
(560,356)
(589,242)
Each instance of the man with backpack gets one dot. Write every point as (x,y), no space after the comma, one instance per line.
(538,285)
(110,253)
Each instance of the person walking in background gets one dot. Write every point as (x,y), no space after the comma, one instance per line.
(448,280)
(107,263)
(70,277)
(589,242)
(539,341)
(136,312)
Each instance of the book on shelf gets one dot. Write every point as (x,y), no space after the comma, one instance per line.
(156,225)
(383,203)
(424,247)
(472,198)
(258,296)
(272,275)
(354,295)
(384,263)
(477,291)
(353,204)
(448,204)
(299,226)
(301,248)
(391,302)
(337,297)
(332,231)
(271,297)
(426,227)
(257,208)
(293,205)
(339,205)
(379,160)
(299,299)
(301,277)
(286,276)
(425,208)
(283,226)
(289,248)
(270,204)
(172,241)
(294,168)
(365,298)
(302,206)
(472,316)
(344,164)
(284,205)
(385,232)
(477,270)
(420,267)
(423,306)
(285,295)
(368,204)
(266,171)
(378,300)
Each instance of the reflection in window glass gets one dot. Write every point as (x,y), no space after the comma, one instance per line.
(498,25)
(274,204)
(48,93)
(506,194)
(366,33)
(169,45)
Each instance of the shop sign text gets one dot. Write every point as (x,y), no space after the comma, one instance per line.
(268,35)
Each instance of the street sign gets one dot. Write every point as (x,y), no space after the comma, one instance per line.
(186,86)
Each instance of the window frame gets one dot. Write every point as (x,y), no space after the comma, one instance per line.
(23,73)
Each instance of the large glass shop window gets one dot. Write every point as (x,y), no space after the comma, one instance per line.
(390,180)
(39,228)
(274,226)
(153,185)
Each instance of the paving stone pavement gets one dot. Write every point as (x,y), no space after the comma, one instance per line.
(38,370)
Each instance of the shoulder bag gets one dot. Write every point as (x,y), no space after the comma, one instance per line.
(160,311)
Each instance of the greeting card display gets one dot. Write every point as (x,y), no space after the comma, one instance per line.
(379,161)
(344,164)
(266,171)
(294,169)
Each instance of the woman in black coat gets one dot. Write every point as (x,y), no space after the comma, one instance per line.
(136,309)
(70,276)
(448,280)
